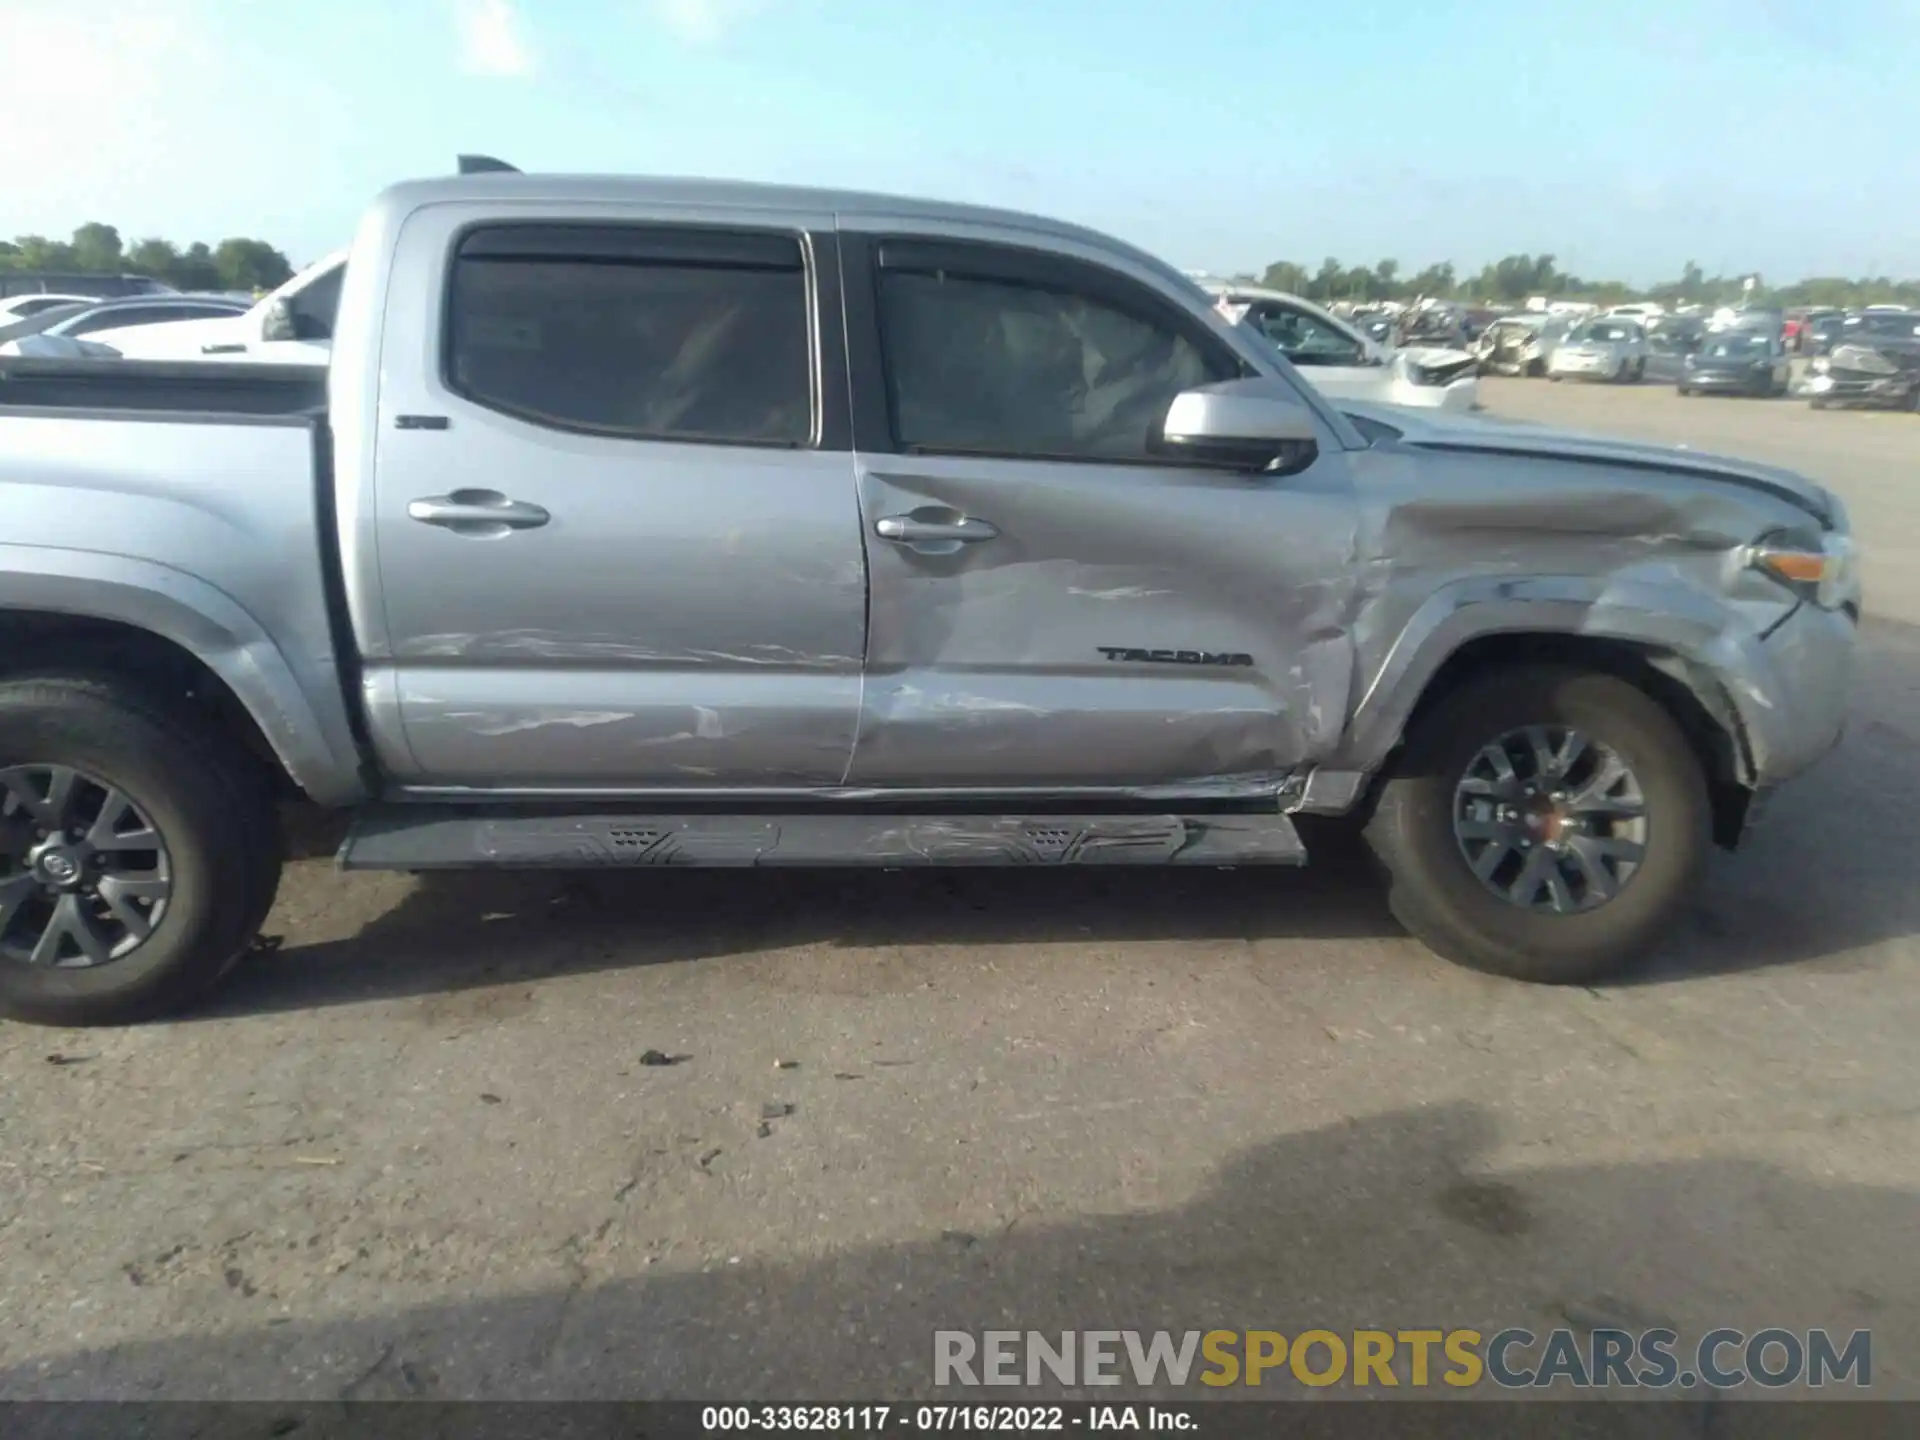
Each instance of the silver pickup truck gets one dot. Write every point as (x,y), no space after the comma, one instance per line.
(653,523)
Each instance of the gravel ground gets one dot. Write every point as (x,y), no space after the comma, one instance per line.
(421,1151)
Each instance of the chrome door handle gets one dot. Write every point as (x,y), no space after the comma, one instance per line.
(910,531)
(477,512)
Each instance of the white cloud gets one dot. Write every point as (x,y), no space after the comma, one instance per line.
(702,22)
(492,41)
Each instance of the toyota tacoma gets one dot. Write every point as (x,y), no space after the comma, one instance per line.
(653,523)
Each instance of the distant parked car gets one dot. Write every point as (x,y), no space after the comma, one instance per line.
(1602,349)
(292,326)
(1519,344)
(1737,362)
(86,328)
(1821,330)
(1338,360)
(1644,311)
(1873,361)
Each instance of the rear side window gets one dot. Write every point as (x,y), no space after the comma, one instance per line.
(680,334)
(1035,368)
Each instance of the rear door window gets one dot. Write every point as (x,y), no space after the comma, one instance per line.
(639,331)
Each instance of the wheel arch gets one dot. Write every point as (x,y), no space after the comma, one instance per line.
(1671,646)
(116,616)
(1692,700)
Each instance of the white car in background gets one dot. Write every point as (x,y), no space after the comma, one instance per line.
(293,325)
(1606,348)
(1340,362)
(78,328)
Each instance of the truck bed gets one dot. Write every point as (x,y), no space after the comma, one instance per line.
(182,388)
(192,500)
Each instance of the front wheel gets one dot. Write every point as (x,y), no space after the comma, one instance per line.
(1544,823)
(137,856)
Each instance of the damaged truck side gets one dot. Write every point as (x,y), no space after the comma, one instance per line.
(655,523)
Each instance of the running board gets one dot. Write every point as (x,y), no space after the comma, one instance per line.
(419,837)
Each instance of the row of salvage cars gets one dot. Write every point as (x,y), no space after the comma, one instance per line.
(1871,358)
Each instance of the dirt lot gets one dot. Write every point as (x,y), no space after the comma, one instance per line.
(419,1153)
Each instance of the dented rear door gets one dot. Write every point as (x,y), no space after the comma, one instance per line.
(1047,619)
(618,543)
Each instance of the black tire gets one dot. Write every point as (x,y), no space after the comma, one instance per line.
(1433,890)
(215,814)
(1817,403)
(1684,390)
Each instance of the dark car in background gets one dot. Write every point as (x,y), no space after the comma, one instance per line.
(1820,331)
(1737,362)
(1873,359)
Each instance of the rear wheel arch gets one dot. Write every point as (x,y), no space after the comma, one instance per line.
(34,643)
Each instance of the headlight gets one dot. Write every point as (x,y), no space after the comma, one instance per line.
(1826,573)
(1821,366)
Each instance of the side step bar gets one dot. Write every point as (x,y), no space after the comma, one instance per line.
(420,837)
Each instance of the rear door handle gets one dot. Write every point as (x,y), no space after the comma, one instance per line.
(908,530)
(477,512)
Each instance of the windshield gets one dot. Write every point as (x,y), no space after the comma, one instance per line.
(1738,347)
(1887,322)
(1605,332)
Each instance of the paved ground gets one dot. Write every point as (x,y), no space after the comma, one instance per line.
(419,1153)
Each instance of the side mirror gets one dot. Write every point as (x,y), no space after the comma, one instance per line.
(1254,424)
(278,324)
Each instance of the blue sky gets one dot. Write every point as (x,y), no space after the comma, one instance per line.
(1625,136)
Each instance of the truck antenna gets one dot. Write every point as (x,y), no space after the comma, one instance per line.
(486,165)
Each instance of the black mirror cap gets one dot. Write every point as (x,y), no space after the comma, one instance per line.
(1261,456)
(485,165)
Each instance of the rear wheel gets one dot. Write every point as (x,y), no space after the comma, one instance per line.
(137,858)
(1544,823)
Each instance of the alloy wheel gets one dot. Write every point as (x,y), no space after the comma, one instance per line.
(1551,820)
(85,874)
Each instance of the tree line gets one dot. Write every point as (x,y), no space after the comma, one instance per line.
(242,264)
(1514,278)
(97,249)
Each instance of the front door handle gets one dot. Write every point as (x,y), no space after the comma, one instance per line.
(476,512)
(909,530)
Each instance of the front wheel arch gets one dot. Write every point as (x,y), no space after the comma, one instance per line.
(1709,725)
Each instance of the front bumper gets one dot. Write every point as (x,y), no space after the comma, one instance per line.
(1741,380)
(1854,388)
(1602,366)
(1791,689)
